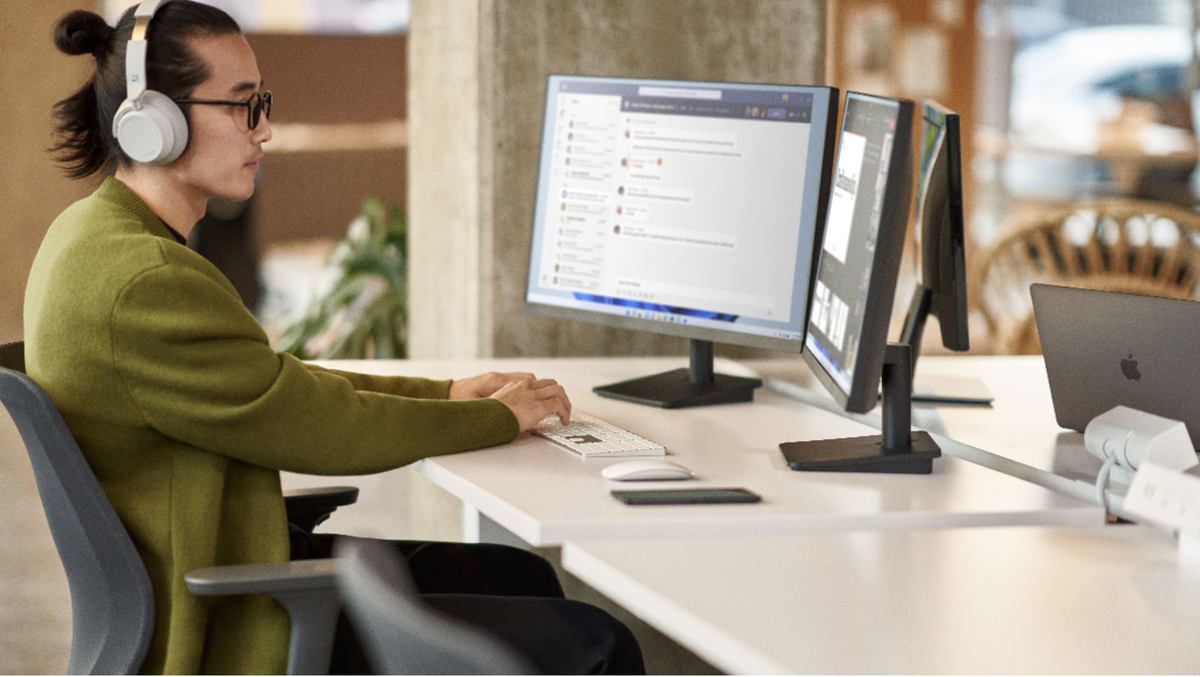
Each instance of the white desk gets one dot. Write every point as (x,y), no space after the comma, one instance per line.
(545,495)
(1018,435)
(1007,600)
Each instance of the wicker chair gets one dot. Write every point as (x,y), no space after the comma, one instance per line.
(1120,245)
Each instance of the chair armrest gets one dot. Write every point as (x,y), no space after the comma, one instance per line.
(306,508)
(245,579)
(306,588)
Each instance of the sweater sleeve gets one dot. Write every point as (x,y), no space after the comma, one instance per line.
(199,369)
(404,386)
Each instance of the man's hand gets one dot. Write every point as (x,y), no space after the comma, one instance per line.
(531,401)
(484,385)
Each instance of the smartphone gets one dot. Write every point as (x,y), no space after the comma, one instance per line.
(686,496)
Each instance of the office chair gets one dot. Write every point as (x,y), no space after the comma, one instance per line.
(112,602)
(403,635)
(12,356)
(1114,244)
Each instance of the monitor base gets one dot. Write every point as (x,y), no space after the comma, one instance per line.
(863,454)
(900,449)
(676,390)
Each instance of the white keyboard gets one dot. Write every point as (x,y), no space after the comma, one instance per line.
(590,437)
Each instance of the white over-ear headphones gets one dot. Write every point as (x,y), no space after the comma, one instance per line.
(149,126)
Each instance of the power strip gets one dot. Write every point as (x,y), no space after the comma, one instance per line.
(1165,496)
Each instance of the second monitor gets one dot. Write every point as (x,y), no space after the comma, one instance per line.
(681,208)
(847,346)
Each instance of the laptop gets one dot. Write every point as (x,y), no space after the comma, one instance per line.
(1106,348)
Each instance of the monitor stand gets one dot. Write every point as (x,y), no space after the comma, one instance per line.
(898,450)
(934,390)
(680,388)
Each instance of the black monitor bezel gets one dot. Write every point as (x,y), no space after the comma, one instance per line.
(943,229)
(693,332)
(863,394)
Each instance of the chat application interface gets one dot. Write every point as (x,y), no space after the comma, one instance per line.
(679,203)
(851,230)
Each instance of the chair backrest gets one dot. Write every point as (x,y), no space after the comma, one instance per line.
(403,635)
(12,356)
(1114,244)
(112,603)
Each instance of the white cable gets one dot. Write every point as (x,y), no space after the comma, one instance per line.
(1102,481)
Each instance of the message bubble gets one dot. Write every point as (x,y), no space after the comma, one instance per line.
(593,259)
(686,142)
(632,212)
(576,282)
(581,208)
(587,126)
(581,249)
(593,233)
(658,194)
(585,174)
(679,236)
(577,270)
(589,196)
(584,135)
(594,150)
(644,171)
(645,176)
(584,162)
(645,161)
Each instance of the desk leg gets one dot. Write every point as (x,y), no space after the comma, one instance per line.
(479,528)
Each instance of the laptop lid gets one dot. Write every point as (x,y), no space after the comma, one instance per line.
(1107,348)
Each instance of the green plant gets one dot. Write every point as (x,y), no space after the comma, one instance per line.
(359,307)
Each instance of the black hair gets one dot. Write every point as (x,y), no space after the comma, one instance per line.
(83,121)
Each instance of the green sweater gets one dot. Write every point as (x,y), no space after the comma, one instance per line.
(187,416)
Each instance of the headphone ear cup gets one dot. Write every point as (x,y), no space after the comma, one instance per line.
(155,134)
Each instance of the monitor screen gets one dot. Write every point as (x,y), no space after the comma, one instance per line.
(683,208)
(860,254)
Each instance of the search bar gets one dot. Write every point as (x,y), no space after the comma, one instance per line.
(677,93)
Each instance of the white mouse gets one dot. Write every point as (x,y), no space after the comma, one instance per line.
(646,470)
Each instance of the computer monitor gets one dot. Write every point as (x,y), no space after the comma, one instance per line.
(846,344)
(942,288)
(681,208)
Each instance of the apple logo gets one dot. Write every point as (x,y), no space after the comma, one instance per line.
(1129,368)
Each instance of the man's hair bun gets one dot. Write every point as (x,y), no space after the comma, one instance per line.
(83,32)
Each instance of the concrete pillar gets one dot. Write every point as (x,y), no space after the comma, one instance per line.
(477,72)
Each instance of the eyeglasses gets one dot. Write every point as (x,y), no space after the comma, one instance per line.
(256,106)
